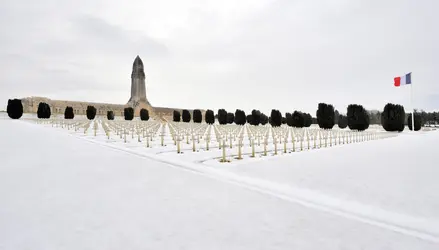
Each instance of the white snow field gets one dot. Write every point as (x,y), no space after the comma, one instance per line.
(63,189)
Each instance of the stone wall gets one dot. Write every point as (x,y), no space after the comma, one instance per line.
(30,105)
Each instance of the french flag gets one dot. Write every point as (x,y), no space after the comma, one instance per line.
(403,80)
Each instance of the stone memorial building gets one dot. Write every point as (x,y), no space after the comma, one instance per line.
(138,100)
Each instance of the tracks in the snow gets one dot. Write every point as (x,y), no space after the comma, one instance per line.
(406,225)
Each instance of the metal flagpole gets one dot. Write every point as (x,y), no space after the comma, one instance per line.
(411,104)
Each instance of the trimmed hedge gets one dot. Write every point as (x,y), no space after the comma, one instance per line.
(209,117)
(198,117)
(14,108)
(91,112)
(68,113)
(144,115)
(186,115)
(342,121)
(393,117)
(325,116)
(110,115)
(43,111)
(358,117)
(176,117)
(128,113)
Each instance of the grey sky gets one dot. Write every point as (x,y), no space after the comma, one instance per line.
(230,54)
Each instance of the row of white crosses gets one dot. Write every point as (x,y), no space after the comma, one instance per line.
(192,132)
(63,123)
(300,138)
(120,127)
(141,129)
(284,139)
(229,133)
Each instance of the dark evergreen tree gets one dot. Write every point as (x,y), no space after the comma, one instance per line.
(298,119)
(209,117)
(68,113)
(144,115)
(222,116)
(43,111)
(393,117)
(275,118)
(128,113)
(14,108)
(40,110)
(308,120)
(418,121)
(186,115)
(325,116)
(230,118)
(198,117)
(110,115)
(249,119)
(240,117)
(256,117)
(263,119)
(342,121)
(358,117)
(91,112)
(176,116)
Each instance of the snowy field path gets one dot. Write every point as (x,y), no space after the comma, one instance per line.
(59,191)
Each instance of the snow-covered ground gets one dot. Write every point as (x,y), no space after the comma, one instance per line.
(61,189)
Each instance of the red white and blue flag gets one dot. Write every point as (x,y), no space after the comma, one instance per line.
(403,80)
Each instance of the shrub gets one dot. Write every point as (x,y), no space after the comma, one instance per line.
(325,116)
(342,121)
(68,113)
(128,113)
(209,117)
(256,117)
(43,111)
(249,119)
(263,119)
(144,115)
(418,121)
(358,117)
(110,115)
(240,117)
(186,115)
(298,119)
(276,118)
(198,117)
(176,117)
(308,119)
(15,108)
(284,120)
(230,118)
(393,117)
(90,112)
(222,116)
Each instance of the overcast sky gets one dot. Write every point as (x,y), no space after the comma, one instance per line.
(263,54)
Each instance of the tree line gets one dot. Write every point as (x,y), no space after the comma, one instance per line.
(392,118)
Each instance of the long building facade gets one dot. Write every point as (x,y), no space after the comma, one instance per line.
(138,100)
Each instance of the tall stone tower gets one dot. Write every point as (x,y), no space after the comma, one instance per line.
(138,87)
